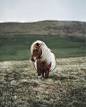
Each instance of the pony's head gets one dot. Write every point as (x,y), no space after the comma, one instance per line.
(36,50)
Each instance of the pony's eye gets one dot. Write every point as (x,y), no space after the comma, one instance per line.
(37,50)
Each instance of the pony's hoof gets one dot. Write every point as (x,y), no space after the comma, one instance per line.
(39,77)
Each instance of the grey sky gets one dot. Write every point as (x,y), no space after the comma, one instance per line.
(37,10)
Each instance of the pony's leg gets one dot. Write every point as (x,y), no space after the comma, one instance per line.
(47,73)
(42,74)
(39,73)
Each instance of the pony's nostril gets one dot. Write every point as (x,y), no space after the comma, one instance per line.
(33,60)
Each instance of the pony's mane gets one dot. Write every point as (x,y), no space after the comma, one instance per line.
(46,53)
(34,45)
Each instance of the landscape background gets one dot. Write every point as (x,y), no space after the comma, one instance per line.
(65,38)
(61,24)
(66,85)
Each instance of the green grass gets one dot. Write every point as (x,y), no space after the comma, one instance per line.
(18,47)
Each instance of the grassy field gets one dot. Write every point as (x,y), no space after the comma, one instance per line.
(65,87)
(17,47)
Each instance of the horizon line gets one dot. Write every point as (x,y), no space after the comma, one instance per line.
(14,21)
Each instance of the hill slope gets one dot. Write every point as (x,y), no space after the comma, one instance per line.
(69,28)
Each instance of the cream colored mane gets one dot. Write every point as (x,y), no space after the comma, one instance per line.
(33,45)
(46,53)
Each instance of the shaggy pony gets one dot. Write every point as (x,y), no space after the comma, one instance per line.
(43,58)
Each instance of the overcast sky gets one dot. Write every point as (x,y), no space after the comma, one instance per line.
(37,10)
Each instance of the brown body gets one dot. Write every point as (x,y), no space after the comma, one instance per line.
(43,69)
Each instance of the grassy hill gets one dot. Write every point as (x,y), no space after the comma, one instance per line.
(62,28)
(66,86)
(17,47)
(65,38)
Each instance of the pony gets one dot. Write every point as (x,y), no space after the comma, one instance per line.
(43,59)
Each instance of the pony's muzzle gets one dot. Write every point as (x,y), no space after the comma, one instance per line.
(33,59)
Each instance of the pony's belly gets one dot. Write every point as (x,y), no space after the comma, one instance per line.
(53,64)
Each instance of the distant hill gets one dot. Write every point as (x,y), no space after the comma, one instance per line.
(69,28)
